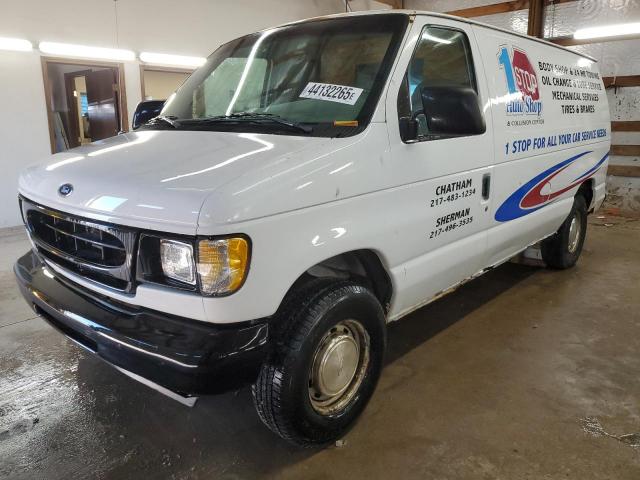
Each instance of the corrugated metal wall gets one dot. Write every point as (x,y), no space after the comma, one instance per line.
(616,59)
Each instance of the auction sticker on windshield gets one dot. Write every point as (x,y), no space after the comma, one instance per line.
(331,93)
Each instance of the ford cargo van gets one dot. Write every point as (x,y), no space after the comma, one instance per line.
(306,186)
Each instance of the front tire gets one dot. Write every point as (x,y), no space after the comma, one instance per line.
(328,355)
(563,248)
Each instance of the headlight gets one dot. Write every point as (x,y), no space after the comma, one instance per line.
(210,266)
(177,261)
(222,265)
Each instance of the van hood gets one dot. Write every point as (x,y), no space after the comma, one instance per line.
(155,179)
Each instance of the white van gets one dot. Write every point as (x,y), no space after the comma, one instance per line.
(306,186)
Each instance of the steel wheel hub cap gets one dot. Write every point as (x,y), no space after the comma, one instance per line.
(338,367)
(574,233)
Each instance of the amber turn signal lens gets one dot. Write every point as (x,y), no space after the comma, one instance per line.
(222,264)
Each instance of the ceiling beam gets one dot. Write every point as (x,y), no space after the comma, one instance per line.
(557,2)
(492,9)
(502,7)
(535,25)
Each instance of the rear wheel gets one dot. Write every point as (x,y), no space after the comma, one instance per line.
(563,248)
(329,348)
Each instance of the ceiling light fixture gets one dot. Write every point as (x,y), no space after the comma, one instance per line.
(15,44)
(173,60)
(607,31)
(70,50)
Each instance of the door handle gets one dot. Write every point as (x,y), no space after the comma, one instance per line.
(486,186)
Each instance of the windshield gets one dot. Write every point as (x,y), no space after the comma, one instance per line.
(317,78)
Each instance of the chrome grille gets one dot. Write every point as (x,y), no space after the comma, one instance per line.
(97,251)
(82,241)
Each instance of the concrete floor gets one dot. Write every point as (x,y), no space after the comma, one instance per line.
(522,374)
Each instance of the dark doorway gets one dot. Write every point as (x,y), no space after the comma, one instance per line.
(85,102)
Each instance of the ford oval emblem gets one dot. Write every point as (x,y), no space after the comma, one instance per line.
(65,189)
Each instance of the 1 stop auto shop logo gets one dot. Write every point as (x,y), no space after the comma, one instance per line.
(522,82)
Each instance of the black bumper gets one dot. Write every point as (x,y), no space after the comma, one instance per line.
(183,355)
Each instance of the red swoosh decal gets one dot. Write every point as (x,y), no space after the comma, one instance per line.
(534,197)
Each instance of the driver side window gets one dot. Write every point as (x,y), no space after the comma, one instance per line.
(442,58)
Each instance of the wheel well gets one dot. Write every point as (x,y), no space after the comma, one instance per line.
(586,190)
(362,266)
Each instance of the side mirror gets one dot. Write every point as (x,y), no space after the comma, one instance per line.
(408,129)
(452,111)
(145,111)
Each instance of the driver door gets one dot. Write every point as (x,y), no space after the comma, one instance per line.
(449,175)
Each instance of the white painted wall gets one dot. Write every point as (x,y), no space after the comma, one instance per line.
(189,27)
(24,134)
(359,5)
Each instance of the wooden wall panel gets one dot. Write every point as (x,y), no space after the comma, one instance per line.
(623,81)
(625,126)
(624,170)
(626,150)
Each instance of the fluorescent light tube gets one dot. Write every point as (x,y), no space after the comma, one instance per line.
(69,50)
(607,31)
(17,44)
(175,60)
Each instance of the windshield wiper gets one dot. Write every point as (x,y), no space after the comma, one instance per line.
(164,119)
(250,117)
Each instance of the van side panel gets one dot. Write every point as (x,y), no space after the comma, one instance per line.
(551,130)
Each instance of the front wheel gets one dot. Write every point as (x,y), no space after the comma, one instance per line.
(328,357)
(563,249)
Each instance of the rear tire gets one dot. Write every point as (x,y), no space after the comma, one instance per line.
(329,345)
(563,248)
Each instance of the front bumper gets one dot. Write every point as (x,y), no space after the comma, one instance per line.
(184,356)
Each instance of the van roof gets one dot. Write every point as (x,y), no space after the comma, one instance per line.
(448,17)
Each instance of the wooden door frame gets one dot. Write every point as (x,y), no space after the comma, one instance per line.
(122,97)
(152,68)
(70,77)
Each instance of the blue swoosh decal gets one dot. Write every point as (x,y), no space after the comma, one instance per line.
(512,209)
